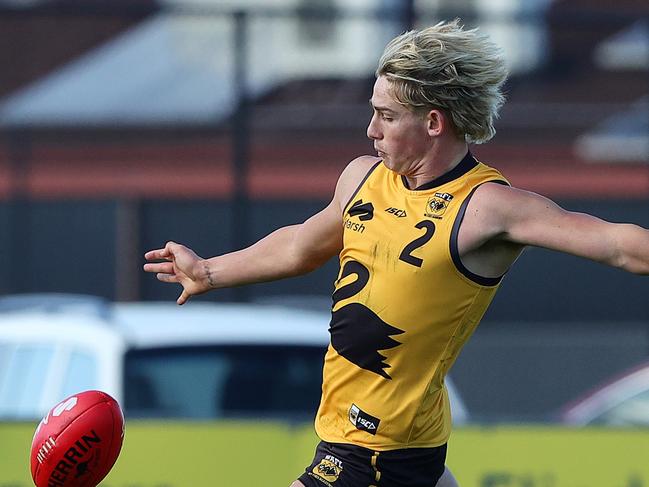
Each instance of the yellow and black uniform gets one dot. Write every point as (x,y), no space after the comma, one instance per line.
(403,307)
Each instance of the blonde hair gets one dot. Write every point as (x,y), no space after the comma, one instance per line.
(448,68)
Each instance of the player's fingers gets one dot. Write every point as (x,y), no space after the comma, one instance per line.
(159,267)
(172,247)
(182,299)
(157,254)
(166,277)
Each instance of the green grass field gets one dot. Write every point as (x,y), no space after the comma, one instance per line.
(187,454)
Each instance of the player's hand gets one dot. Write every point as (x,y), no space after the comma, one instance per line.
(180,265)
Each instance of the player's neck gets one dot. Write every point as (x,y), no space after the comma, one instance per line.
(441,158)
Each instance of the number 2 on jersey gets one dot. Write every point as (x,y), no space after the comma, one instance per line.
(406,253)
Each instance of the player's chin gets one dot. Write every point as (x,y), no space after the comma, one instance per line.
(392,165)
(387,162)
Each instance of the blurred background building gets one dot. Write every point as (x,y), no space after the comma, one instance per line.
(124,124)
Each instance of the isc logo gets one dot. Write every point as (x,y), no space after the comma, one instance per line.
(396,212)
(362,420)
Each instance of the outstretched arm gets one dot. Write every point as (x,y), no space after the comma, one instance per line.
(526,218)
(288,251)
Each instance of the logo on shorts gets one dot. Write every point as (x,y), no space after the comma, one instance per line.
(362,420)
(436,206)
(329,469)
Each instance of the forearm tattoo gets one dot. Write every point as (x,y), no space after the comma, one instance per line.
(208,273)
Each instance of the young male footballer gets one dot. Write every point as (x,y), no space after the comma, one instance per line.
(424,233)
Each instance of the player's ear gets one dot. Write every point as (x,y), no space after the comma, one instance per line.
(436,122)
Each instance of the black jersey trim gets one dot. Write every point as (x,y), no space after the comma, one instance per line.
(371,170)
(467,163)
(455,254)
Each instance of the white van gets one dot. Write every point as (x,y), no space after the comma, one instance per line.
(199,361)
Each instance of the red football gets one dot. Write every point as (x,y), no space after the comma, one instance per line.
(78,441)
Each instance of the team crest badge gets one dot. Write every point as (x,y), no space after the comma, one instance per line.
(329,468)
(436,206)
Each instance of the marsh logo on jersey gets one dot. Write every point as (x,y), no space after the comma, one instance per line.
(436,206)
(328,470)
(364,211)
(362,420)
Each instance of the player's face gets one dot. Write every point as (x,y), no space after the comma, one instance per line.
(400,135)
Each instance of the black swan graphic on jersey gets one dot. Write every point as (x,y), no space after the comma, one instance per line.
(357,333)
(364,211)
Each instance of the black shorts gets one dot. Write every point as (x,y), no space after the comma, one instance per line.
(340,465)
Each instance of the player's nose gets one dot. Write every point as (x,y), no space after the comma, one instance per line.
(373,131)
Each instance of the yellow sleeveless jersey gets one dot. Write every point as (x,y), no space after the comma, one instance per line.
(403,307)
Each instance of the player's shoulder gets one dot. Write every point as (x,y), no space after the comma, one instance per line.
(356,170)
(353,176)
(496,194)
(360,166)
(497,204)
